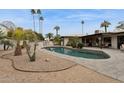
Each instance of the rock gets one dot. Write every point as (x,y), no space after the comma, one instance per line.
(47,60)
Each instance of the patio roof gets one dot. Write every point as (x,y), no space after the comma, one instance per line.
(105,34)
(69,36)
(98,34)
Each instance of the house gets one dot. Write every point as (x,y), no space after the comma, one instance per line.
(65,39)
(102,40)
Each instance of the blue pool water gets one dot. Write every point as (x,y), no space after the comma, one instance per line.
(90,54)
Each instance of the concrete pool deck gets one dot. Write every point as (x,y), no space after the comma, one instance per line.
(113,67)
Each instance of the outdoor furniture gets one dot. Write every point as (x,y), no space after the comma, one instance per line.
(122,47)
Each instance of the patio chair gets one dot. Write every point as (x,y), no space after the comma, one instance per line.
(122,47)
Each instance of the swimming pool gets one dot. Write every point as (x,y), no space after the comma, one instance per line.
(84,53)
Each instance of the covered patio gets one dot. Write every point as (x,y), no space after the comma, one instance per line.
(104,40)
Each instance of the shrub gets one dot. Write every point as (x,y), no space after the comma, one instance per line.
(80,45)
(6,44)
(73,45)
(57,40)
(39,36)
(73,42)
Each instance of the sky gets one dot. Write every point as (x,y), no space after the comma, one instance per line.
(69,20)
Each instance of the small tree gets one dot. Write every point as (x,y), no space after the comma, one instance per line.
(31,37)
(80,45)
(5,40)
(10,34)
(75,42)
(6,43)
(39,36)
(32,56)
(18,36)
(49,35)
(57,40)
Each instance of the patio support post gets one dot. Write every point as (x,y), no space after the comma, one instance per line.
(63,41)
(85,41)
(101,41)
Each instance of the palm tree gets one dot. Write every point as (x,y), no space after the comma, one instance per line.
(41,21)
(121,26)
(82,22)
(105,24)
(49,35)
(31,37)
(33,12)
(39,13)
(18,36)
(57,28)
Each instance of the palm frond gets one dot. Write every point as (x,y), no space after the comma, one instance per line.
(41,18)
(105,23)
(38,11)
(33,11)
(57,28)
(82,22)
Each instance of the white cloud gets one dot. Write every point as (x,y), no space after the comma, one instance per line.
(100,14)
(84,16)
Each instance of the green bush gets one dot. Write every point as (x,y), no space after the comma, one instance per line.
(73,45)
(80,45)
(57,40)
(6,44)
(39,36)
(73,42)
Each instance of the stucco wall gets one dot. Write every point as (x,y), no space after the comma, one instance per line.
(114,41)
(66,41)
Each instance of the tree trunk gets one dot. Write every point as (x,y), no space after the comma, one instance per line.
(7,47)
(82,28)
(18,51)
(4,46)
(49,37)
(105,29)
(56,32)
(39,23)
(33,56)
(34,23)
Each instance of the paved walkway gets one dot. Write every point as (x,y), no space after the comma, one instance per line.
(75,74)
(113,67)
